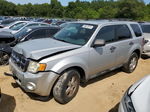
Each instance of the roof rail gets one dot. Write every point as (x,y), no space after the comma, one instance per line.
(117,19)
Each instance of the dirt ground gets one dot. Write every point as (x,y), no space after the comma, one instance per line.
(101,94)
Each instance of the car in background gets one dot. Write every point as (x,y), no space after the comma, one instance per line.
(137,97)
(18,27)
(9,40)
(49,21)
(6,22)
(146,31)
(1,18)
(64,24)
(77,53)
(39,20)
(12,25)
(60,22)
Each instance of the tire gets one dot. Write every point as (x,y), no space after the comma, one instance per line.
(131,65)
(4,57)
(67,86)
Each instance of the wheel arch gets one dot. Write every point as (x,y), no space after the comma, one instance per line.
(137,51)
(80,70)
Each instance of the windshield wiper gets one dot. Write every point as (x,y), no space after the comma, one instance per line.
(59,39)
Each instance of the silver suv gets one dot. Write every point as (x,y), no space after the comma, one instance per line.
(80,51)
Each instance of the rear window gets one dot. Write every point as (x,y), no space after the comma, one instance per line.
(145,28)
(136,30)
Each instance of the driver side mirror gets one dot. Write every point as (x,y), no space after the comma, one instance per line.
(99,43)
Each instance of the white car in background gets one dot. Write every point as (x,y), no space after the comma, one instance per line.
(137,97)
(13,24)
(19,25)
(146,31)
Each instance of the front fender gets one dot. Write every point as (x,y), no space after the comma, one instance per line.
(68,63)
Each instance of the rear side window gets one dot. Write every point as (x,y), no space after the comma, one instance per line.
(136,30)
(44,24)
(37,34)
(31,25)
(122,32)
(107,33)
(146,28)
(51,32)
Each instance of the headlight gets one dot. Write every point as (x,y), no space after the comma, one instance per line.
(35,67)
(128,103)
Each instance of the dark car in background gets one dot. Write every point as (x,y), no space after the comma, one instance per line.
(9,40)
(6,22)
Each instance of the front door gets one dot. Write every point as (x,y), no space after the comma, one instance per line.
(103,58)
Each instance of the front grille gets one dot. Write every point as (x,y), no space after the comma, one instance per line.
(20,61)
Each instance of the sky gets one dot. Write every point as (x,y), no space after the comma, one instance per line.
(63,2)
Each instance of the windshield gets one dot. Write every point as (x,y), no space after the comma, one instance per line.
(146,28)
(23,32)
(18,26)
(76,33)
(63,25)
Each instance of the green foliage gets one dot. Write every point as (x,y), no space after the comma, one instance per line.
(132,9)
(97,9)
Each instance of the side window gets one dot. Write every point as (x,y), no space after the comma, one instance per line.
(44,24)
(136,30)
(51,32)
(122,32)
(107,33)
(30,25)
(37,34)
(145,28)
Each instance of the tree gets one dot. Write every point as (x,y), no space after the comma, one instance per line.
(56,9)
(132,9)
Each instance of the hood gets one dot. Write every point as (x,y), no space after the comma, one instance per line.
(141,95)
(39,48)
(6,35)
(5,30)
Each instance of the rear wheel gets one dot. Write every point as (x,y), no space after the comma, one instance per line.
(131,65)
(4,57)
(67,86)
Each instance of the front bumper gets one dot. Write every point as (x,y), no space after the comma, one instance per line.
(121,108)
(40,83)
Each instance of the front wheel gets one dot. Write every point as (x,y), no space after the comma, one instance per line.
(4,57)
(131,65)
(67,86)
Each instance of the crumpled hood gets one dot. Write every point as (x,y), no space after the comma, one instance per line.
(39,48)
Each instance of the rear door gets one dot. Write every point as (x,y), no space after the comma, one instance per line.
(124,43)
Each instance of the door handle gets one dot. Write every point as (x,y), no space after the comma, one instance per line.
(112,49)
(131,43)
